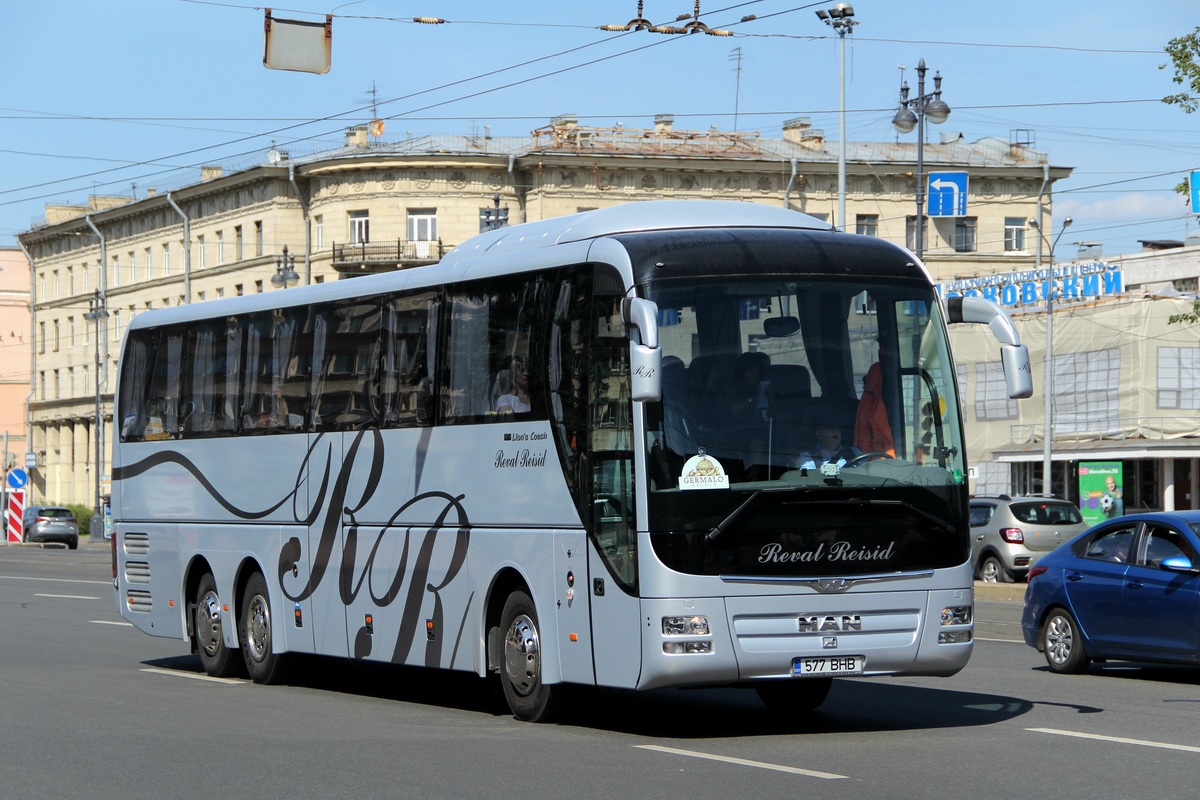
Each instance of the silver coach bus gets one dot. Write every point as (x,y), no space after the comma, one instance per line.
(589,450)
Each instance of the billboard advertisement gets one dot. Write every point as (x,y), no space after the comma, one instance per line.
(1101,490)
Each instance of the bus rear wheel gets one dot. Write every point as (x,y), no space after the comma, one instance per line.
(795,695)
(521,670)
(218,660)
(256,633)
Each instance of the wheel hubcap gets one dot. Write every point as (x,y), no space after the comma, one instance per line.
(258,628)
(208,623)
(522,655)
(1059,640)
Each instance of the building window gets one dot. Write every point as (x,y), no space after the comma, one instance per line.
(1085,392)
(41,295)
(258,237)
(116,271)
(1179,378)
(238,253)
(910,233)
(56,292)
(220,247)
(41,337)
(57,386)
(319,223)
(42,383)
(83,277)
(964,235)
(1014,234)
(70,281)
(70,381)
(238,290)
(203,253)
(422,230)
(70,331)
(149,264)
(360,227)
(56,336)
(166,258)
(258,287)
(991,394)
(867,224)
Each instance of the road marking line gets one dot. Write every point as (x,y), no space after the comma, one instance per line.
(54,580)
(193,676)
(66,596)
(111,622)
(1118,739)
(742,761)
(1010,641)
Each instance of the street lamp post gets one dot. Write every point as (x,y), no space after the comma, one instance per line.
(840,18)
(285,270)
(912,113)
(97,312)
(1048,377)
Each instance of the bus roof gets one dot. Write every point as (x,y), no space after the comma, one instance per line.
(646,215)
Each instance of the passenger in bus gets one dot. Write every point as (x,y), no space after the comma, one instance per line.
(511,389)
(828,449)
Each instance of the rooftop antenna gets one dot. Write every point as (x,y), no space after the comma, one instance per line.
(736,56)
(376,126)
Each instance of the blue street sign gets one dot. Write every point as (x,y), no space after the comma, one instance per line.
(1194,186)
(17,479)
(947,194)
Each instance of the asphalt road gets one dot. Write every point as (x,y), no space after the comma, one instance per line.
(90,707)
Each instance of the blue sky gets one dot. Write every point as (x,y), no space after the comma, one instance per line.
(103,95)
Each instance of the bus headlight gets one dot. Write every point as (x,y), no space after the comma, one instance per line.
(682,648)
(685,626)
(956,615)
(954,637)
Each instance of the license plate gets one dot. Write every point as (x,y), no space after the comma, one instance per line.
(828,665)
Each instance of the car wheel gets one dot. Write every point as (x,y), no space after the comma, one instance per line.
(256,633)
(529,698)
(794,696)
(218,660)
(992,571)
(1062,643)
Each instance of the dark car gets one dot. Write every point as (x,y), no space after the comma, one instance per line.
(1125,590)
(51,524)
(1009,534)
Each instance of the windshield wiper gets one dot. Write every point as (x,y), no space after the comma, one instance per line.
(724,525)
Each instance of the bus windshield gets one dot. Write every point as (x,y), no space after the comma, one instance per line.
(807,427)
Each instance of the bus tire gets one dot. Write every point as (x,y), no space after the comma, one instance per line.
(256,633)
(218,660)
(794,695)
(521,667)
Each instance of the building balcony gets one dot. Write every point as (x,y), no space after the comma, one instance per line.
(359,258)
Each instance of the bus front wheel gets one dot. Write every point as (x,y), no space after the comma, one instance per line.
(794,695)
(218,660)
(521,671)
(255,632)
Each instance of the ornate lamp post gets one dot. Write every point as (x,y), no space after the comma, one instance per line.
(912,114)
(285,270)
(97,312)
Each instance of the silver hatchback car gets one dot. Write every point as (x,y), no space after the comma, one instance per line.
(1009,534)
(51,524)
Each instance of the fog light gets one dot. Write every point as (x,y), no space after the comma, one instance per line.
(956,615)
(685,626)
(682,648)
(954,637)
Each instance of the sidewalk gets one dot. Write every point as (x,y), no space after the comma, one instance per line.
(1000,591)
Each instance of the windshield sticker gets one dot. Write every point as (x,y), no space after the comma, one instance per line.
(703,472)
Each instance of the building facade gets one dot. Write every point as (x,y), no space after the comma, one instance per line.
(14,356)
(372,206)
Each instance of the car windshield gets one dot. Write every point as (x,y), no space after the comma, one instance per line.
(826,400)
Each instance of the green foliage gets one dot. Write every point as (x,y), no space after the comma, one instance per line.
(82,513)
(1190,318)
(1185,57)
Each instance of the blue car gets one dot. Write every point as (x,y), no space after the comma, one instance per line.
(1127,589)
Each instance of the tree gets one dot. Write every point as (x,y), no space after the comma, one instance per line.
(1185,56)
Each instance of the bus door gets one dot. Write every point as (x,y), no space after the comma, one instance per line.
(616,610)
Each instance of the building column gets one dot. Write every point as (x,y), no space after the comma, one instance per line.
(1168,484)
(82,481)
(53,464)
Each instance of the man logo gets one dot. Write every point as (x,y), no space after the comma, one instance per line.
(833,585)
(846,622)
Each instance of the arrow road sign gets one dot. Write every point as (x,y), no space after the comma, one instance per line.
(947,194)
